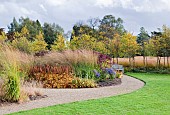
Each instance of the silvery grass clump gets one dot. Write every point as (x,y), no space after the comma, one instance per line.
(12,69)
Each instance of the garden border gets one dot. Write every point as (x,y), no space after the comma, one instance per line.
(61,96)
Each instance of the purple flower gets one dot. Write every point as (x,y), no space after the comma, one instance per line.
(110,71)
(96,73)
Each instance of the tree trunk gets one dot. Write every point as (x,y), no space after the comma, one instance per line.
(167,61)
(117,60)
(133,62)
(158,62)
(164,61)
(144,61)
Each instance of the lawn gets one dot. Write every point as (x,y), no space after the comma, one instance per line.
(153,98)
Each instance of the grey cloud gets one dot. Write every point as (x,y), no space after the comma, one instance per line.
(67,12)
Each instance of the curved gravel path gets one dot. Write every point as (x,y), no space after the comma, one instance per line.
(60,96)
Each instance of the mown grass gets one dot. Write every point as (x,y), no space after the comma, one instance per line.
(153,98)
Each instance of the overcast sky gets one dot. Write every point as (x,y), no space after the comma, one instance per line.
(151,14)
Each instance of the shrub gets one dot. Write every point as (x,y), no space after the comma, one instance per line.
(53,76)
(104,74)
(52,80)
(83,83)
(104,61)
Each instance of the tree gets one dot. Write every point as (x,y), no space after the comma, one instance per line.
(79,30)
(166,41)
(143,36)
(93,22)
(129,47)
(155,46)
(25,32)
(59,44)
(50,33)
(33,27)
(21,41)
(109,26)
(14,26)
(101,47)
(115,46)
(39,44)
(82,42)
(142,39)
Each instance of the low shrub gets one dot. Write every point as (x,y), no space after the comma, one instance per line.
(52,76)
(52,80)
(104,61)
(83,83)
(105,74)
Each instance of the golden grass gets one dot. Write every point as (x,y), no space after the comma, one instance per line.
(13,63)
(15,57)
(69,57)
(151,61)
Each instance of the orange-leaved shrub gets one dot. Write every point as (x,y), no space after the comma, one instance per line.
(59,77)
(52,76)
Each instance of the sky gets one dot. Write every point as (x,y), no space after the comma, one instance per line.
(150,14)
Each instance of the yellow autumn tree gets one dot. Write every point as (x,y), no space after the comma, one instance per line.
(21,41)
(24,32)
(39,44)
(100,46)
(59,44)
(82,42)
(129,47)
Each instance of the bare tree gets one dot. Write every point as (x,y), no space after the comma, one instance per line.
(93,22)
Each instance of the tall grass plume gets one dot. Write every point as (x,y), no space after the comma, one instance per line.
(12,69)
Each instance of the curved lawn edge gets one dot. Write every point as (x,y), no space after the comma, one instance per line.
(136,78)
(151,99)
(62,96)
